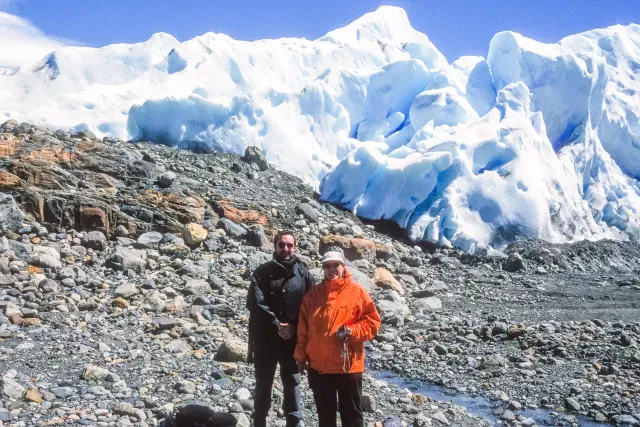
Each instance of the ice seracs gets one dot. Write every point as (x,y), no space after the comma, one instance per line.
(535,140)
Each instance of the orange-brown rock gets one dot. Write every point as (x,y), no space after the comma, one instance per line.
(31,321)
(226,209)
(91,218)
(32,269)
(55,154)
(353,248)
(385,280)
(32,395)
(120,302)
(8,180)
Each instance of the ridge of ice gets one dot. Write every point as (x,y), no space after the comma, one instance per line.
(537,140)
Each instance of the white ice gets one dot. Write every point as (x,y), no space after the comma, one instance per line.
(535,140)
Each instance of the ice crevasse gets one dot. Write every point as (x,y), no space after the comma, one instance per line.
(535,140)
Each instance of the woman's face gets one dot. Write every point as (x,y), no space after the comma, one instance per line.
(333,269)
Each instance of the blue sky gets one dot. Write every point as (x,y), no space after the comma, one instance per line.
(457,28)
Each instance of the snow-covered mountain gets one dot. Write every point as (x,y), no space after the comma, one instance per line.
(535,140)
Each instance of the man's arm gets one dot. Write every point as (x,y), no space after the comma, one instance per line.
(256,298)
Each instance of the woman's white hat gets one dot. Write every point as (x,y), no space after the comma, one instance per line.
(332,256)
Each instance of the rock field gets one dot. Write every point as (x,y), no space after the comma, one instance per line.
(124,270)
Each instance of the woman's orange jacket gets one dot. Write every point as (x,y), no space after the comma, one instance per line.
(325,308)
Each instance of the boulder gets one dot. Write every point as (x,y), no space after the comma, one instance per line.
(11,216)
(385,280)
(232,350)
(128,259)
(514,263)
(94,240)
(194,234)
(253,154)
(353,249)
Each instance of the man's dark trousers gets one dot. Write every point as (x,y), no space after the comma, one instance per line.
(268,355)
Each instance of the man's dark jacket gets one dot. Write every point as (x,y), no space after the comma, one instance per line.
(274,297)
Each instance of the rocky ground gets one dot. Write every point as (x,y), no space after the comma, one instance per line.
(123,276)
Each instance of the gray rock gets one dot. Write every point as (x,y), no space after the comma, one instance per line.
(126,290)
(232,228)
(253,154)
(45,257)
(232,350)
(121,231)
(359,277)
(441,417)
(514,263)
(128,259)
(242,394)
(307,211)
(178,346)
(150,240)
(11,388)
(84,134)
(94,373)
(429,303)
(11,217)
(197,287)
(572,404)
(368,403)
(185,386)
(166,179)
(94,240)
(256,236)
(492,362)
(61,392)
(242,420)
(499,328)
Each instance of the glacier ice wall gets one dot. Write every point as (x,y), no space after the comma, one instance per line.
(535,140)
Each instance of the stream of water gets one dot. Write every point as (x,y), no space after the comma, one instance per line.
(480,406)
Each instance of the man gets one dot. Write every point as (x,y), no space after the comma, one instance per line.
(274,299)
(336,318)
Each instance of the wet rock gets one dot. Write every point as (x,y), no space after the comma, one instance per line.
(572,404)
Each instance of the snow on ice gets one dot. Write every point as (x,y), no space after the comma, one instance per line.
(535,140)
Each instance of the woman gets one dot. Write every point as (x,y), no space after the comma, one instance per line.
(336,318)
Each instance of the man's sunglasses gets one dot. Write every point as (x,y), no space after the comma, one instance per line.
(283,245)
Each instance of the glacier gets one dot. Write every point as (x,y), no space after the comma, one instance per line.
(534,140)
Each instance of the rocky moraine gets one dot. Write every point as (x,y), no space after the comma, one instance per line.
(124,270)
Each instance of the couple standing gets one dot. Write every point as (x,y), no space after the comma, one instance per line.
(306,327)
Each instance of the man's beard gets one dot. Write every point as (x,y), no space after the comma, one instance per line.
(284,257)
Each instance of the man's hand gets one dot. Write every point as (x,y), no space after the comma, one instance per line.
(302,367)
(287,331)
